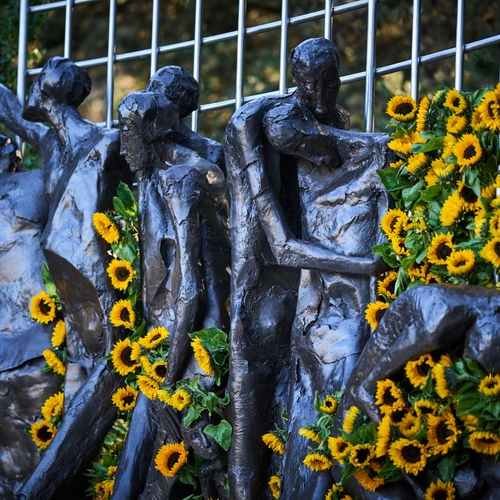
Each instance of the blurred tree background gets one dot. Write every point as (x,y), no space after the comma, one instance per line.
(261,66)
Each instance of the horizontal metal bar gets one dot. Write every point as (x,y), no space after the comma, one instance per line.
(58,5)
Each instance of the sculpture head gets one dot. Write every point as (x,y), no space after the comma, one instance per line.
(179,86)
(60,81)
(315,67)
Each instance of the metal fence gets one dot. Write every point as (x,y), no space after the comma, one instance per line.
(243,33)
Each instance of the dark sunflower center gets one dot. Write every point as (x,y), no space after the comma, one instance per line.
(398,415)
(125,315)
(497,248)
(490,109)
(460,263)
(440,495)
(44,434)
(341,447)
(390,286)
(490,384)
(433,280)
(125,357)
(44,307)
(372,473)
(161,371)
(443,251)
(425,410)
(456,102)
(362,455)
(488,440)
(423,369)
(468,195)
(412,453)
(389,399)
(470,152)
(404,109)
(122,273)
(393,223)
(379,314)
(443,433)
(173,459)
(127,400)
(328,404)
(155,337)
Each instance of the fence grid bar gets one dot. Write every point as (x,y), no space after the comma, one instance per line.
(68,18)
(415,49)
(240,53)
(459,60)
(155,19)
(327,33)
(22,50)
(370,65)
(110,77)
(197,54)
(283,87)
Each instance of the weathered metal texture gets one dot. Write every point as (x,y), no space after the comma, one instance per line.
(183,210)
(304,196)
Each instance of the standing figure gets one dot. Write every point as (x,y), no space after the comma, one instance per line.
(340,201)
(184,260)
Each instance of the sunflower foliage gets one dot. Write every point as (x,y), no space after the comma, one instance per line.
(445,226)
(438,413)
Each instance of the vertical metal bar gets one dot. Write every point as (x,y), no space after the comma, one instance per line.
(22,50)
(67,28)
(328,19)
(110,81)
(283,87)
(240,52)
(196,56)
(154,36)
(459,54)
(370,65)
(415,49)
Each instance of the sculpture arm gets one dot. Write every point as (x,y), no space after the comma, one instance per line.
(11,113)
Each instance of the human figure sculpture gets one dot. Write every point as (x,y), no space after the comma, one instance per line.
(184,259)
(82,167)
(341,201)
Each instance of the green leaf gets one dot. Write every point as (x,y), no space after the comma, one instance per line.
(468,403)
(389,179)
(127,199)
(385,251)
(192,415)
(119,207)
(185,476)
(48,282)
(431,145)
(221,433)
(125,251)
(447,468)
(431,192)
(478,95)
(210,401)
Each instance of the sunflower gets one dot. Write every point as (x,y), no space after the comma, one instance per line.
(275,442)
(120,357)
(121,273)
(136,351)
(159,371)
(154,337)
(467,150)
(409,455)
(471,422)
(148,386)
(460,262)
(59,334)
(310,433)
(180,399)
(452,207)
(53,406)
(394,222)
(317,461)
(442,169)
(54,362)
(417,163)
(202,356)
(368,476)
(106,228)
(122,314)
(455,101)
(449,142)
(104,489)
(374,313)
(418,269)
(489,108)
(410,425)
(489,191)
(417,370)
(442,432)
(425,407)
(491,251)
(439,375)
(485,442)
(350,419)
(361,454)
(112,470)
(396,164)
(339,448)
(124,398)
(329,405)
(145,364)
(388,396)
(422,113)
(399,246)
(383,436)
(445,360)
(432,278)
(476,121)
(275,486)
(440,491)
(455,124)
(171,458)
(490,385)
(402,108)
(469,197)
(431,179)
(42,433)
(43,308)
(403,144)
(440,248)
